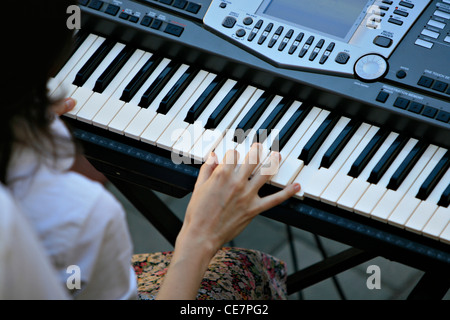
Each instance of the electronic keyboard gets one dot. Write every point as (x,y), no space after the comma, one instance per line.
(172,81)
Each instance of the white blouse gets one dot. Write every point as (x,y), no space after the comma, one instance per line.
(82,226)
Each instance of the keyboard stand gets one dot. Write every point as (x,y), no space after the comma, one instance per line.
(136,172)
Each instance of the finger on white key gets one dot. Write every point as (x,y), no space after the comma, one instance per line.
(81,95)
(211,137)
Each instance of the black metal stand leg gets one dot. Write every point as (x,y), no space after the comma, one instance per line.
(327,268)
(151,207)
(432,286)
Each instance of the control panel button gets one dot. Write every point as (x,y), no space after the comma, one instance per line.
(95,4)
(382,41)
(112,9)
(423,43)
(180,4)
(425,82)
(342,58)
(124,16)
(174,29)
(156,24)
(395,21)
(406,4)
(146,21)
(401,74)
(415,107)
(193,7)
(382,96)
(248,21)
(240,33)
(401,103)
(429,112)
(440,86)
(229,22)
(443,116)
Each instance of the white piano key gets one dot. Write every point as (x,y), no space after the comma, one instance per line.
(88,111)
(359,185)
(273,137)
(227,142)
(193,131)
(401,213)
(324,176)
(437,223)
(342,180)
(421,215)
(71,64)
(290,164)
(391,198)
(145,116)
(211,137)
(445,235)
(162,121)
(375,192)
(170,136)
(129,110)
(308,172)
(106,111)
(244,147)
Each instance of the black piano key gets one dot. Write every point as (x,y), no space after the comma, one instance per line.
(93,62)
(386,160)
(311,147)
(205,98)
(341,141)
(249,120)
(108,75)
(139,79)
(225,105)
(405,168)
(368,152)
(159,83)
(432,180)
(444,201)
(177,90)
(274,117)
(290,127)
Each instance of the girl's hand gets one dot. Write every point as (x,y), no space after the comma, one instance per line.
(223,203)
(64,106)
(225,200)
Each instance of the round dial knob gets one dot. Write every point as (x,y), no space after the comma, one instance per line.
(371,67)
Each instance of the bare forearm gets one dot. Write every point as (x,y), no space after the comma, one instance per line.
(187,268)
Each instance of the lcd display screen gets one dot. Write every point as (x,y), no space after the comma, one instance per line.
(332,17)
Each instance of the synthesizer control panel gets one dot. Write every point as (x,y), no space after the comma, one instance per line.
(349,38)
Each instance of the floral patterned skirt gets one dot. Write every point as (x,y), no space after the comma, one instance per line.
(233,274)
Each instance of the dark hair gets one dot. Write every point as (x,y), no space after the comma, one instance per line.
(36,42)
